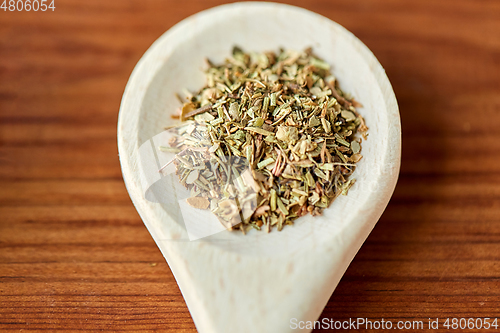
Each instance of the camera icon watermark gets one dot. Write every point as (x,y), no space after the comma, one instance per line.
(212,193)
(209,192)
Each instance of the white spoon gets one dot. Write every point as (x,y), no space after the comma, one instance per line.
(259,282)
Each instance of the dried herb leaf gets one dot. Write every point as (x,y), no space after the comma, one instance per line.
(198,202)
(271,137)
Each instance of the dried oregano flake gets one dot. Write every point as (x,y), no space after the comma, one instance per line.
(270,138)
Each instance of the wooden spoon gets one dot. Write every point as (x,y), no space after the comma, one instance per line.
(259,282)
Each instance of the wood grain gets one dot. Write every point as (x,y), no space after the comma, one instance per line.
(74,254)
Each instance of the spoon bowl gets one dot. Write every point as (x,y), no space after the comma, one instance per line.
(259,282)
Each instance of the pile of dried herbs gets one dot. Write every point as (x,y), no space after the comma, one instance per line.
(281,116)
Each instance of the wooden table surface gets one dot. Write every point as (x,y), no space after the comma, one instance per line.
(74,254)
